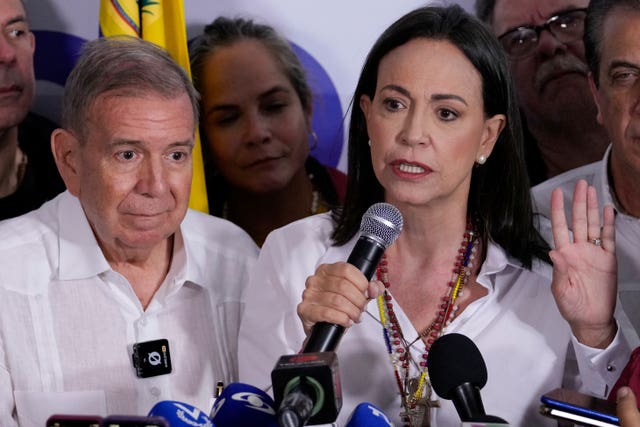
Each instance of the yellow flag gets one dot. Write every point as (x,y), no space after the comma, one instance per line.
(161,22)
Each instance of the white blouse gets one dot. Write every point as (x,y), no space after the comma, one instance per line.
(516,326)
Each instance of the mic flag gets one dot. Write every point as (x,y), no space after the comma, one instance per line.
(241,405)
(180,414)
(368,415)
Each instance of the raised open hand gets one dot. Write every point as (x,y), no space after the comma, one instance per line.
(584,268)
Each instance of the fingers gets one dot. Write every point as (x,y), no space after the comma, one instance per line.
(608,229)
(593,215)
(579,213)
(626,408)
(336,293)
(585,218)
(559,220)
(375,289)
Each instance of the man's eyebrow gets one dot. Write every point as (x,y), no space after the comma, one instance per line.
(16,20)
(622,63)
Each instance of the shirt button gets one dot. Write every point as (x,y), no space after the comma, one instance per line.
(155,391)
(611,368)
(143,322)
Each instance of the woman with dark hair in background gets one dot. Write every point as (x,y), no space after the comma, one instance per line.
(256,128)
(436,133)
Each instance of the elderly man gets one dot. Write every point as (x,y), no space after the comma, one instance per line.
(543,40)
(612,42)
(113,295)
(28,174)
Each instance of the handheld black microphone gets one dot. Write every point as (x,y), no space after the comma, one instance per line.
(458,372)
(306,386)
(380,227)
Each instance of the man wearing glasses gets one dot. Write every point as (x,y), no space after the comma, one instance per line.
(543,40)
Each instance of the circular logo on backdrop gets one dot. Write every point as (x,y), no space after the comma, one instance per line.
(57,52)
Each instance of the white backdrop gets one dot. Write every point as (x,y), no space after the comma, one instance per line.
(336,35)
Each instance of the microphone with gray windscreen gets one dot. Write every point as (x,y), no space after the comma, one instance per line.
(380,227)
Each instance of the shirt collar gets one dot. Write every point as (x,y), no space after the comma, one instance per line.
(604,187)
(601,182)
(495,261)
(80,254)
(498,260)
(81,257)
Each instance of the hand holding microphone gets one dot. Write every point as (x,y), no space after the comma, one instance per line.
(306,386)
(380,227)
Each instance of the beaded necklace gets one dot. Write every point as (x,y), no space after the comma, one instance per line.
(416,392)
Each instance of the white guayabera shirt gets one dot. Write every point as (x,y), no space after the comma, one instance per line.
(68,321)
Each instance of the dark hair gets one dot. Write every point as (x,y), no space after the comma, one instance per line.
(597,12)
(499,195)
(124,65)
(484,10)
(224,32)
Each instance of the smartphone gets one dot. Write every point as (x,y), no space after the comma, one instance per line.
(73,421)
(133,421)
(580,408)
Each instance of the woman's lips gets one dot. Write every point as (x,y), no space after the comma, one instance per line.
(410,169)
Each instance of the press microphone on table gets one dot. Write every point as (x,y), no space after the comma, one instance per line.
(368,415)
(457,372)
(306,386)
(180,414)
(243,405)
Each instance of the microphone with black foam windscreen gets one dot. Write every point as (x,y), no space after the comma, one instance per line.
(457,372)
(180,414)
(306,386)
(243,405)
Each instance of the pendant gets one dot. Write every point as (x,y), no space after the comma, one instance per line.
(417,412)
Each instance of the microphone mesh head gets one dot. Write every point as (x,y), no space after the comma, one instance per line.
(454,360)
(383,222)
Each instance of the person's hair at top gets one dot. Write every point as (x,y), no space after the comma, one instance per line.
(499,195)
(121,65)
(226,31)
(484,10)
(597,13)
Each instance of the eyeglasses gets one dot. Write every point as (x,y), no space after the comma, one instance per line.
(565,27)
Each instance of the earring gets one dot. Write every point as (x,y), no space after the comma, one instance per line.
(369,143)
(482,159)
(314,136)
